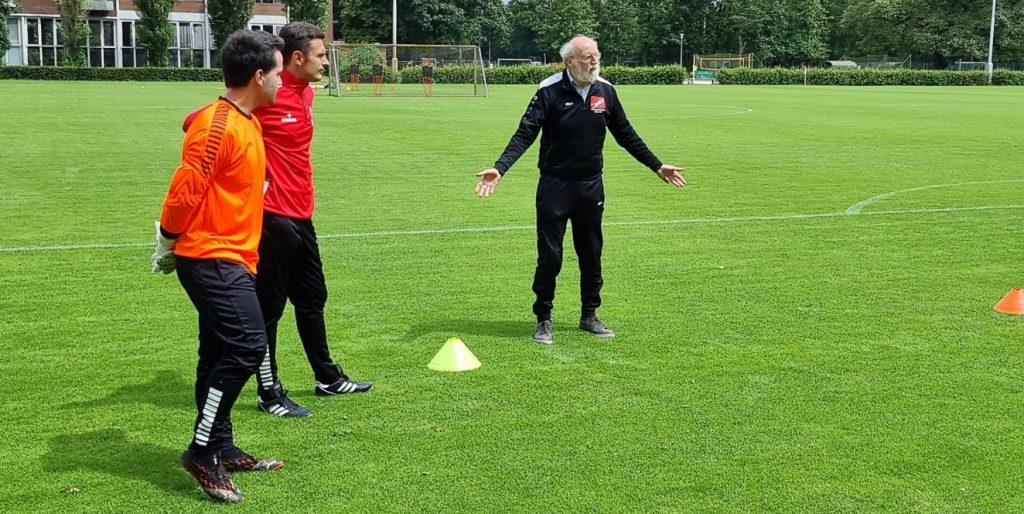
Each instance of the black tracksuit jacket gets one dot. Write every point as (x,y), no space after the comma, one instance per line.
(574,130)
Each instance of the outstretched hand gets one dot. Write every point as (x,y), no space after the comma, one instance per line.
(671,175)
(488,181)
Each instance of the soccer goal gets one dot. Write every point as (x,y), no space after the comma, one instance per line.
(406,70)
(506,61)
(705,67)
(882,62)
(962,65)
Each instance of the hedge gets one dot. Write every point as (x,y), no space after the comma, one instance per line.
(448,74)
(526,74)
(115,74)
(866,77)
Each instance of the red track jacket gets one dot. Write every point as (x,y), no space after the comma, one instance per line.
(287,134)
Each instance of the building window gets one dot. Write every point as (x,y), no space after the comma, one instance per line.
(101,48)
(14,36)
(132,56)
(189,45)
(43,41)
(269,1)
(273,29)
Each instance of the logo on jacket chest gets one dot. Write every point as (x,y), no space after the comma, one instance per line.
(597,104)
(289,119)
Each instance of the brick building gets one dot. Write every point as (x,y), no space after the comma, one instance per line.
(36,41)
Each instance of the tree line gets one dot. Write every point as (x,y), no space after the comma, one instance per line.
(778,32)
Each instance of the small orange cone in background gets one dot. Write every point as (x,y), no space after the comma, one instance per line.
(1012,303)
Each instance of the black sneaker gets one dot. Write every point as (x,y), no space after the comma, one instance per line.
(594,326)
(235,460)
(282,405)
(543,333)
(212,477)
(342,386)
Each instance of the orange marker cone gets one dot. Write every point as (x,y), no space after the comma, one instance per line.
(1012,303)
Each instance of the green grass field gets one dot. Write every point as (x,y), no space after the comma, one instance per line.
(806,327)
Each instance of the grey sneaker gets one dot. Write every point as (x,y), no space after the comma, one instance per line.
(594,326)
(543,333)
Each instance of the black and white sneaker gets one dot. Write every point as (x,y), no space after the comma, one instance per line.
(342,386)
(209,471)
(282,405)
(236,460)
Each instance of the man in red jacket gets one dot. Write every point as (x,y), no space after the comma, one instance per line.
(289,264)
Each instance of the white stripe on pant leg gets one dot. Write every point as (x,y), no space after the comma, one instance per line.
(213,397)
(266,377)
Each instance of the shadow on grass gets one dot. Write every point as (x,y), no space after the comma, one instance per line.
(166,389)
(463,328)
(110,451)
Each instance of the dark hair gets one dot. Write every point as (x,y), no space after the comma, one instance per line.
(246,51)
(297,36)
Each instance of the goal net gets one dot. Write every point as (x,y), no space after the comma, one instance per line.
(406,70)
(707,66)
(882,62)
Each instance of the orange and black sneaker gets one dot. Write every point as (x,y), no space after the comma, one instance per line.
(209,471)
(237,460)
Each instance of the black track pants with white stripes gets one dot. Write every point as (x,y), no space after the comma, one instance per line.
(232,342)
(290,269)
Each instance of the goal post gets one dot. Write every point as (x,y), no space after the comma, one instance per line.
(719,61)
(375,69)
(705,67)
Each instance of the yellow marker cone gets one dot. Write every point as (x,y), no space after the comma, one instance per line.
(454,356)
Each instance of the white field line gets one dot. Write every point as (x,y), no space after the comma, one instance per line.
(857,207)
(475,230)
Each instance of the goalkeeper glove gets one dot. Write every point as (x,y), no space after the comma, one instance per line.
(163,255)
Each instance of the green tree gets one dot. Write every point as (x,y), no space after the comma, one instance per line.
(934,31)
(524,26)
(309,11)
(227,16)
(74,31)
(616,30)
(363,21)
(488,20)
(153,31)
(6,9)
(659,42)
(431,21)
(562,20)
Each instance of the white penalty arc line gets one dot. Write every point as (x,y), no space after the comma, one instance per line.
(857,207)
(509,228)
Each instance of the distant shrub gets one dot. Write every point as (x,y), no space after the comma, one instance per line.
(113,74)
(866,77)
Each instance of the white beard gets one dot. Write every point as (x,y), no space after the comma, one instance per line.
(588,77)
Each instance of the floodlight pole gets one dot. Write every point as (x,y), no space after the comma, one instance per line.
(681,36)
(394,36)
(991,42)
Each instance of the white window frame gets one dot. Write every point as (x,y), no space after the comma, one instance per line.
(103,46)
(177,48)
(55,47)
(18,45)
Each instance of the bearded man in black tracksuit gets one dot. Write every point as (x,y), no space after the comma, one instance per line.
(572,109)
